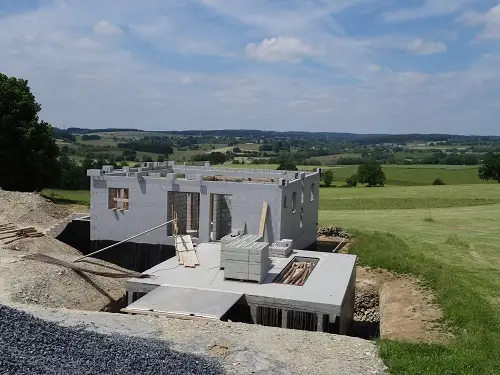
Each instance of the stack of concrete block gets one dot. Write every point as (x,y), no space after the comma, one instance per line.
(236,237)
(281,249)
(246,260)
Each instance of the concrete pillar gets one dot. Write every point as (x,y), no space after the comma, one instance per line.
(204,232)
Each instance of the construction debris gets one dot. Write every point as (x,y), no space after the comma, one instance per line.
(240,179)
(186,254)
(297,273)
(333,232)
(9,233)
(50,260)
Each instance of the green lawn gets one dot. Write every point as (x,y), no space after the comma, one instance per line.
(67,196)
(408,197)
(457,254)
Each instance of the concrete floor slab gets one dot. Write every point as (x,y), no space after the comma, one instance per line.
(185,302)
(324,291)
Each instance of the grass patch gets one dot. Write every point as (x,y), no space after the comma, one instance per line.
(456,242)
(458,257)
(57,196)
(400,197)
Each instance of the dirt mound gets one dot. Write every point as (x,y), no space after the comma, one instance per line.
(366,305)
(408,311)
(30,209)
(333,232)
(27,281)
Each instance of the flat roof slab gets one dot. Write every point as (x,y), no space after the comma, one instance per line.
(323,291)
(185,302)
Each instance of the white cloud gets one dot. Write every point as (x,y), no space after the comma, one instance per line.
(489,20)
(430,8)
(322,111)
(105,28)
(373,68)
(83,79)
(297,103)
(421,47)
(282,48)
(187,80)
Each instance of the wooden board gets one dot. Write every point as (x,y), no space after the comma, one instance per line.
(263,218)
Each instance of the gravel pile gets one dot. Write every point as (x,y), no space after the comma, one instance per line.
(333,232)
(34,346)
(30,209)
(366,305)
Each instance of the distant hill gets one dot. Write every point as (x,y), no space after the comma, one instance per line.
(257,134)
(106,130)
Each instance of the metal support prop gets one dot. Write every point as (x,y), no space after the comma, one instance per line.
(128,239)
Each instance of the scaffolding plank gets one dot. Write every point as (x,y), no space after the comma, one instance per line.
(182,302)
(263,217)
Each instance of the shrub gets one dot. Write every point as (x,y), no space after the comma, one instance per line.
(352,181)
(438,181)
(327,177)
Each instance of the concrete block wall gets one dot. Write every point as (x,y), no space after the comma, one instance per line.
(147,209)
(178,201)
(193,210)
(299,221)
(222,215)
(149,206)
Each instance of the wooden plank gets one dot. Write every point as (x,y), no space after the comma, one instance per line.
(263,217)
(24,230)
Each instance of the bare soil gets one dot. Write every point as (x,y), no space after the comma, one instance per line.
(408,310)
(31,282)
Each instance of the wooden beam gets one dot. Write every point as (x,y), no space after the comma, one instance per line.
(263,218)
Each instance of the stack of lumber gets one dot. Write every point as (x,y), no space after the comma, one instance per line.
(186,252)
(297,274)
(9,233)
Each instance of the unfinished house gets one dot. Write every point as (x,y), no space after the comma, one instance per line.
(209,203)
(231,244)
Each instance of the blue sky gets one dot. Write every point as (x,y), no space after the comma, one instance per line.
(364,66)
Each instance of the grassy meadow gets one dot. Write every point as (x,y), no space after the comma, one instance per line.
(438,234)
(397,175)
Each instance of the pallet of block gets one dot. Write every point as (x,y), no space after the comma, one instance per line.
(9,233)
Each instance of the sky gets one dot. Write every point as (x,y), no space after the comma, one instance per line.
(361,66)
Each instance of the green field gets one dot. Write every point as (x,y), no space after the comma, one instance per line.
(457,254)
(408,197)
(399,175)
(81,197)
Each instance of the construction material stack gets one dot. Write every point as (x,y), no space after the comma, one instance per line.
(281,249)
(232,240)
(246,261)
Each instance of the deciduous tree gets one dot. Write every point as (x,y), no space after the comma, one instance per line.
(490,167)
(28,151)
(370,173)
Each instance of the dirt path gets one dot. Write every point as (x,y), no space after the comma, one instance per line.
(408,311)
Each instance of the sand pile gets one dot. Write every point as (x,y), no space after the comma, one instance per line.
(30,209)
